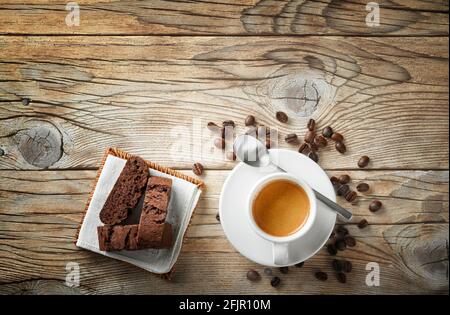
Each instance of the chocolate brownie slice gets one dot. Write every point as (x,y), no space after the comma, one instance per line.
(126,192)
(153,231)
(119,237)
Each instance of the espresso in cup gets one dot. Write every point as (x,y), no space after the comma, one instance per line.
(281,208)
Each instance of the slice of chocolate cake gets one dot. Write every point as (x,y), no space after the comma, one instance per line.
(126,192)
(153,231)
(119,237)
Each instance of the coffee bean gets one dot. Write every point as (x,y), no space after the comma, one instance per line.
(363,223)
(2,152)
(337,265)
(309,136)
(332,250)
(304,148)
(344,179)
(300,264)
(343,190)
(320,275)
(351,196)
(342,230)
(213,127)
(253,275)
(228,123)
(284,270)
(268,271)
(231,156)
(341,277)
(26,101)
(350,241)
(347,266)
(340,245)
(291,138)
(340,147)
(336,136)
(320,141)
(250,120)
(197,168)
(313,147)
(282,117)
(363,161)
(375,205)
(311,124)
(219,143)
(218,217)
(334,179)
(362,187)
(275,282)
(313,156)
(327,132)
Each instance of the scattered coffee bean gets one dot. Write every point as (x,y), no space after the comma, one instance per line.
(311,124)
(332,250)
(228,123)
(268,271)
(253,275)
(26,101)
(327,132)
(342,230)
(320,141)
(351,196)
(231,155)
(344,179)
(313,147)
(336,136)
(350,241)
(337,265)
(197,168)
(218,217)
(275,282)
(2,152)
(313,156)
(334,179)
(343,190)
(250,120)
(282,117)
(219,143)
(340,147)
(284,270)
(375,205)
(340,245)
(363,223)
(309,136)
(362,187)
(320,275)
(347,266)
(304,148)
(300,264)
(291,138)
(341,277)
(363,161)
(213,127)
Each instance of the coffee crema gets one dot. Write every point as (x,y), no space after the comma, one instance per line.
(281,208)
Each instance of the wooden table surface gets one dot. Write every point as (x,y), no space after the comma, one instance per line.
(146,76)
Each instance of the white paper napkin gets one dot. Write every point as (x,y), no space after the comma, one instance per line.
(184,198)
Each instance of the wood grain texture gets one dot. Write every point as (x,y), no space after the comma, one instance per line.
(236,17)
(39,212)
(154,95)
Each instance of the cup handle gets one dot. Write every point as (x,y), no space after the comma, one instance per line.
(280,254)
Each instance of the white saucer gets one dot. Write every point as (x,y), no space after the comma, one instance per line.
(232,209)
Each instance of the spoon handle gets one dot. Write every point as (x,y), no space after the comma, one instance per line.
(333,205)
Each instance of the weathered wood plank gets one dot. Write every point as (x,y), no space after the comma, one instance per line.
(249,17)
(39,212)
(153,96)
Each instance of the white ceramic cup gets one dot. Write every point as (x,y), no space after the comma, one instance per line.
(280,244)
